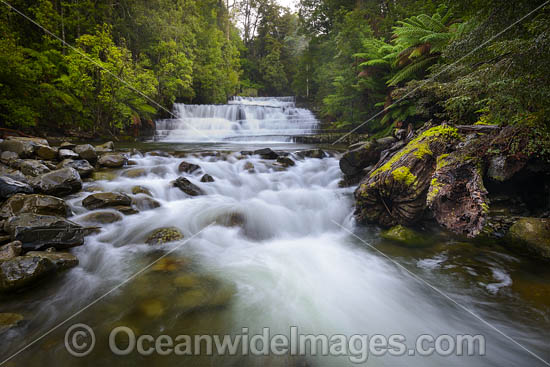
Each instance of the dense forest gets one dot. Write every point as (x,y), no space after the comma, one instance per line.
(402,62)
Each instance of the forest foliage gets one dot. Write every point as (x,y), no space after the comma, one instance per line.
(391,63)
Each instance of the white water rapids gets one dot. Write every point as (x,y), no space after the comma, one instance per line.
(270,235)
(268,119)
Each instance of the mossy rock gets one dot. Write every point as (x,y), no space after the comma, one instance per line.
(403,235)
(530,236)
(164,235)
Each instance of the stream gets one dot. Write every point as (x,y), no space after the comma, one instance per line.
(269,246)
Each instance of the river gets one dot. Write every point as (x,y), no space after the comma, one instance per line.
(268,246)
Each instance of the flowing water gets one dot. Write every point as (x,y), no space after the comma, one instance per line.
(264,248)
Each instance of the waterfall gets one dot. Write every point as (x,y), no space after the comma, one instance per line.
(250,119)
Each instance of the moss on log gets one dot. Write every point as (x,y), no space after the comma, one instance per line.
(395,191)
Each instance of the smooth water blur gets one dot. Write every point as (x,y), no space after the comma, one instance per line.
(259,119)
(269,254)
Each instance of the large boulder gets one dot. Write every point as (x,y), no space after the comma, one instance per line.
(186,186)
(10,187)
(188,167)
(86,151)
(60,182)
(395,191)
(84,168)
(61,260)
(10,250)
(24,147)
(31,167)
(106,200)
(112,160)
(40,231)
(164,235)
(21,271)
(33,204)
(530,236)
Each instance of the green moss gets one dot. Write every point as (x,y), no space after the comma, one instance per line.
(435,186)
(419,146)
(485,208)
(441,161)
(404,175)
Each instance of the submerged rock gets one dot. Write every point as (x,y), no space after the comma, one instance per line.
(21,271)
(10,250)
(134,173)
(145,203)
(207,178)
(61,182)
(531,236)
(164,235)
(84,168)
(39,231)
(105,200)
(112,160)
(10,320)
(106,175)
(10,187)
(188,167)
(186,186)
(403,235)
(34,204)
(101,217)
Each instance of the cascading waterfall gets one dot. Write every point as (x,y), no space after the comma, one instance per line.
(248,119)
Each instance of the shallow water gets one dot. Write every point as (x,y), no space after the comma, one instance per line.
(270,253)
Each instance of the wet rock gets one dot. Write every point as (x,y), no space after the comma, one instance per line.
(164,235)
(126,209)
(22,271)
(101,217)
(207,178)
(106,147)
(30,167)
(67,154)
(186,186)
(134,173)
(188,167)
(67,145)
(312,153)
(285,161)
(105,200)
(366,154)
(158,153)
(145,203)
(249,166)
(60,182)
(10,321)
(131,162)
(403,235)
(160,170)
(46,152)
(10,250)
(84,168)
(34,204)
(40,231)
(61,260)
(266,153)
(141,190)
(8,156)
(112,160)
(86,151)
(10,187)
(530,236)
(233,219)
(502,168)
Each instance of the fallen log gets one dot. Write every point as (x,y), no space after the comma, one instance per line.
(478,128)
